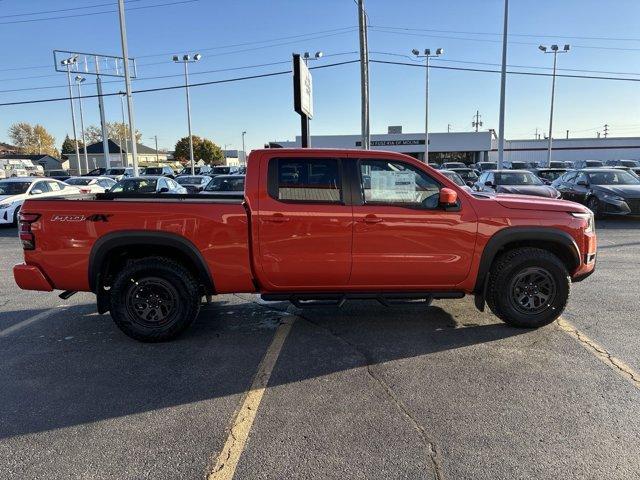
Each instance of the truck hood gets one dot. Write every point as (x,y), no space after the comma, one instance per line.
(527,202)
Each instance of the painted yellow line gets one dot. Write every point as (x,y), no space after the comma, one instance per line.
(228,458)
(617,365)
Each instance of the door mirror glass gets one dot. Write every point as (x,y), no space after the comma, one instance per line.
(448,197)
(36,191)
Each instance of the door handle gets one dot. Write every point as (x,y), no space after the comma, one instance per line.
(371,219)
(276,218)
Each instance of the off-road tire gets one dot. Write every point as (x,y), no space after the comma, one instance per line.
(504,277)
(154,283)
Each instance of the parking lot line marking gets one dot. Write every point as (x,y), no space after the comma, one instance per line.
(228,458)
(617,365)
(25,323)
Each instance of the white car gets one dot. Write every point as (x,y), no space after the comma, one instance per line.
(91,184)
(14,191)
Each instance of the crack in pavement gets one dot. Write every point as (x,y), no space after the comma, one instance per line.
(624,370)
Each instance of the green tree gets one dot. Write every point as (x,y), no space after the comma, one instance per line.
(68,146)
(203,149)
(115,131)
(32,139)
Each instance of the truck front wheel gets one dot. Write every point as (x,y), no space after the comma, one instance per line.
(528,287)
(154,299)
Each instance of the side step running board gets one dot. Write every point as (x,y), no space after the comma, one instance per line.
(387,299)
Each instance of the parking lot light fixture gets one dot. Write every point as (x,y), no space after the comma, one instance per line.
(79,80)
(67,63)
(427,56)
(555,50)
(186,60)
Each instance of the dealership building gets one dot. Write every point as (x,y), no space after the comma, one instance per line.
(472,147)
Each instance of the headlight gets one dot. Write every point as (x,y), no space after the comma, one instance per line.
(4,205)
(588,217)
(612,198)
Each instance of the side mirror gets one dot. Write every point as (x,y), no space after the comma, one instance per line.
(448,197)
(36,191)
(163,190)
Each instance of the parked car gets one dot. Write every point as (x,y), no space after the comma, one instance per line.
(96,172)
(522,166)
(317,234)
(118,173)
(91,184)
(622,163)
(548,175)
(521,182)
(450,165)
(635,171)
(14,191)
(468,175)
(148,185)
(579,164)
(193,183)
(606,191)
(61,175)
(163,171)
(457,179)
(556,164)
(482,166)
(198,170)
(225,184)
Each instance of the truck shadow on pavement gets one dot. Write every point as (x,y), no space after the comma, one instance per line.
(76,368)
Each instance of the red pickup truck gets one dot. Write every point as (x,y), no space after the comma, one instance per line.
(313,226)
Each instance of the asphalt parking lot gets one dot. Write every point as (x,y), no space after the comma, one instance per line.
(364,391)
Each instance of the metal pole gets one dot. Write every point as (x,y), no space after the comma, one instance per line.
(364,75)
(73,118)
(426,115)
(157,155)
(553,92)
(103,123)
(123,138)
(127,83)
(84,143)
(244,153)
(186,87)
(503,84)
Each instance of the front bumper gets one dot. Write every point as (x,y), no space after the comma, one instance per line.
(628,207)
(30,277)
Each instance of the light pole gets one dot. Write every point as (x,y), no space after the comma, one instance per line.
(244,152)
(503,85)
(186,60)
(67,62)
(554,50)
(426,55)
(155,137)
(123,137)
(79,79)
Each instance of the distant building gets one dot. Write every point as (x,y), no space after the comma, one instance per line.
(120,156)
(6,148)
(46,161)
(234,158)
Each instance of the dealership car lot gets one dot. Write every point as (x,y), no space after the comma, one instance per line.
(360,392)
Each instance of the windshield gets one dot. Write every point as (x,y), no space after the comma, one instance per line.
(190,180)
(517,178)
(594,163)
(556,164)
(135,185)
(550,174)
(457,179)
(14,188)
(628,163)
(153,171)
(226,184)
(517,165)
(79,181)
(221,170)
(488,166)
(467,174)
(617,177)
(115,171)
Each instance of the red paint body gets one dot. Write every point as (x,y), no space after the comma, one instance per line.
(269,246)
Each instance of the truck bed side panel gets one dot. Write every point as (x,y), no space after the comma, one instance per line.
(68,229)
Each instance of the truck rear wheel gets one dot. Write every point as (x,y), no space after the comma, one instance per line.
(528,287)
(154,299)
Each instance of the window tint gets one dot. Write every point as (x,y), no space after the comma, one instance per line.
(54,186)
(307,180)
(42,186)
(385,181)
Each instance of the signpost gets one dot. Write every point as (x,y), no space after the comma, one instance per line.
(302,96)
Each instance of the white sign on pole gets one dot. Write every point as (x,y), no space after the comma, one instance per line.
(303,88)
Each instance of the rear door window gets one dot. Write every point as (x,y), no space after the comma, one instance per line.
(305,180)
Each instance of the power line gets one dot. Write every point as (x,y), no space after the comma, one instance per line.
(76,15)
(175,87)
(43,12)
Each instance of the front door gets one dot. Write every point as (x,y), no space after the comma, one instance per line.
(305,227)
(403,238)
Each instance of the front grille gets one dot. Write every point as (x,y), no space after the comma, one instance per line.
(634,205)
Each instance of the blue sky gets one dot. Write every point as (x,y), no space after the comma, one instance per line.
(263,107)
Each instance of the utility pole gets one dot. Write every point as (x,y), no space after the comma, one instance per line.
(244,152)
(127,83)
(567,134)
(554,50)
(606,130)
(157,154)
(79,79)
(186,59)
(427,56)
(103,121)
(536,136)
(503,84)
(67,63)
(448,128)
(364,75)
(123,137)
(476,123)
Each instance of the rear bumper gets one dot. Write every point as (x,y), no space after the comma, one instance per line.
(30,277)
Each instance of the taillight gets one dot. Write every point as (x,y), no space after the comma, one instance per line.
(27,237)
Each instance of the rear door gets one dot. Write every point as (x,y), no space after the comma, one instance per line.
(403,239)
(305,224)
